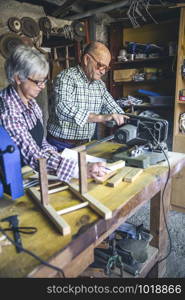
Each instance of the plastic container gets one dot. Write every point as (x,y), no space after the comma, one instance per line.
(160,100)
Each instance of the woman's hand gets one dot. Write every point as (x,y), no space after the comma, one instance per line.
(96,169)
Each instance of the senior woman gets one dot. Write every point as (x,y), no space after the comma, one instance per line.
(27,71)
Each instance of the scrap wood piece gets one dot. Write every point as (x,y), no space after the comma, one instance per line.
(60,223)
(119,177)
(93,203)
(133,174)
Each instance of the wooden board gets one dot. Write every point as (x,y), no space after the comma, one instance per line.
(105,177)
(133,174)
(116,179)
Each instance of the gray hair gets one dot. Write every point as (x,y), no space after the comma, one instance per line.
(25,61)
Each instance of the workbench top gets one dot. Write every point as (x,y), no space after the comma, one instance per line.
(48,243)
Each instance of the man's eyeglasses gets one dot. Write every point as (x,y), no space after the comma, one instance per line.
(38,82)
(99,65)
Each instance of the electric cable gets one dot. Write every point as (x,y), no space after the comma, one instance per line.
(33,254)
(164,215)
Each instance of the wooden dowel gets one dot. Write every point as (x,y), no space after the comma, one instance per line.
(72,208)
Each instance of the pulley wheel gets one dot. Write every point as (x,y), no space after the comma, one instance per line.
(14,24)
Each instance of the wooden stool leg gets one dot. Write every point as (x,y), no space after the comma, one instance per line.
(43,179)
(82,172)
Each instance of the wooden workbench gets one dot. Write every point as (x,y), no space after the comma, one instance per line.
(74,252)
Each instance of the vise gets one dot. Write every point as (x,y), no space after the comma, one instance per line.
(11,181)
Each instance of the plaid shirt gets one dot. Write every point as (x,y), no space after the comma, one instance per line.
(18,119)
(75,97)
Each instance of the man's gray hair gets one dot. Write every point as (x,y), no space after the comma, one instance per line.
(25,61)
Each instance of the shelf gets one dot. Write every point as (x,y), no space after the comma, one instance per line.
(142,81)
(181,135)
(180,102)
(144,268)
(148,105)
(119,65)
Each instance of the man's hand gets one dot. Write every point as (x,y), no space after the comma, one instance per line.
(118,118)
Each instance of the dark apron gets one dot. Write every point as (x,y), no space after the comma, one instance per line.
(37,133)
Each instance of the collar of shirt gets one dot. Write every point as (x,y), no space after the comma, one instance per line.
(12,95)
(84,76)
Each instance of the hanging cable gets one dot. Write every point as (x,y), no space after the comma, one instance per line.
(162,196)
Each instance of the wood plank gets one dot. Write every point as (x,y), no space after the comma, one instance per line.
(116,165)
(133,174)
(60,223)
(93,203)
(102,179)
(43,181)
(82,172)
(116,179)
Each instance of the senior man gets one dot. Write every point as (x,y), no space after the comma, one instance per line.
(80,100)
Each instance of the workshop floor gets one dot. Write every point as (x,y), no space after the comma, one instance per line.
(176,225)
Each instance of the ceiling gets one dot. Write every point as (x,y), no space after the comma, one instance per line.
(78,9)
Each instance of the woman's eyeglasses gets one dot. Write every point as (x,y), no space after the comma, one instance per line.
(38,82)
(99,65)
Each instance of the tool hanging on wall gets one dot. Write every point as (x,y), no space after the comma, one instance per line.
(75,31)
